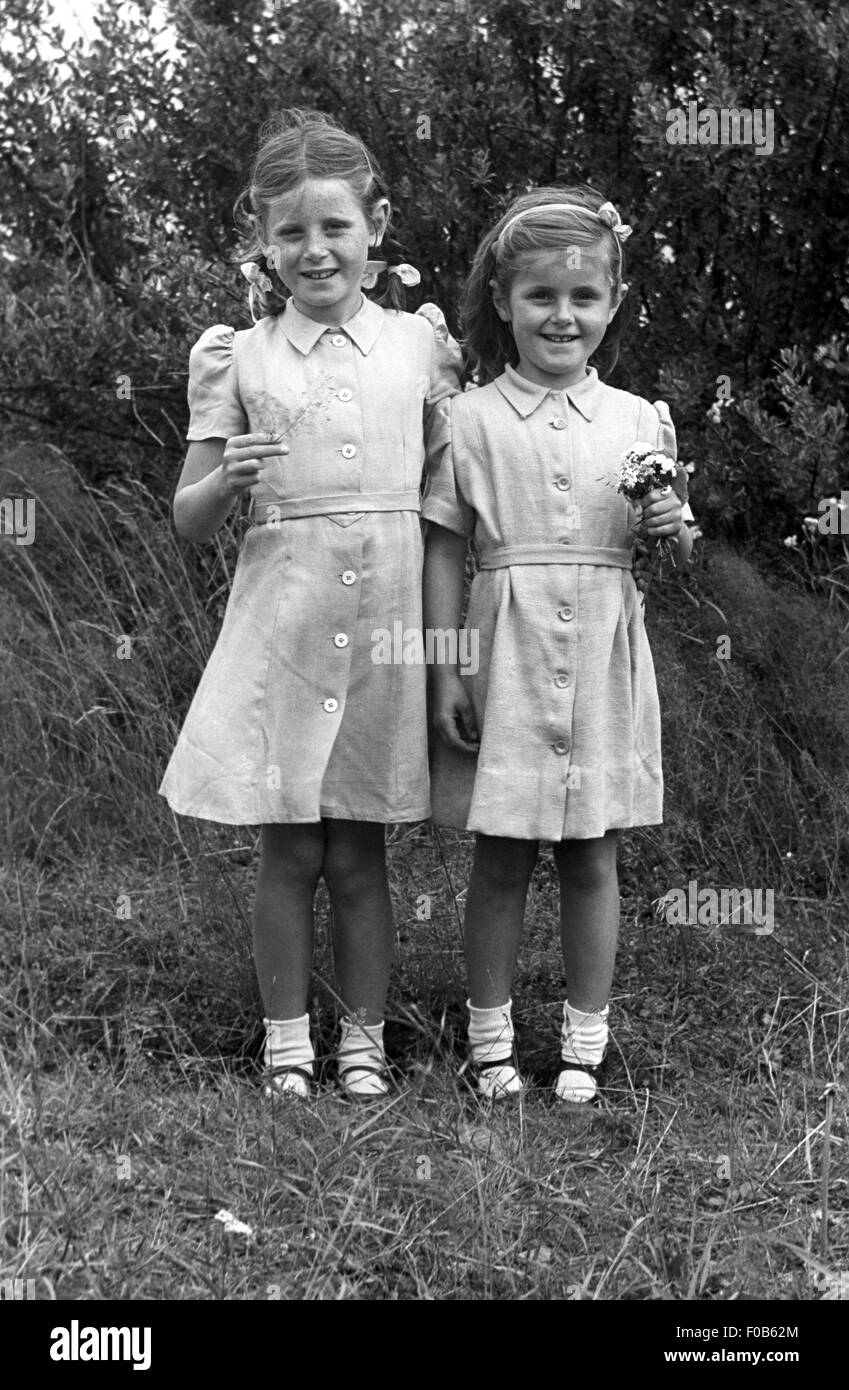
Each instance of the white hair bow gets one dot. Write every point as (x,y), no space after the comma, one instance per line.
(407,274)
(607,213)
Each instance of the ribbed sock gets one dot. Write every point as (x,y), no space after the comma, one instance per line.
(287,1044)
(361,1046)
(583,1038)
(491,1038)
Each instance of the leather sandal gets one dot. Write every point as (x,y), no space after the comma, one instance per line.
(273,1077)
(595,1070)
(365,1097)
(478,1069)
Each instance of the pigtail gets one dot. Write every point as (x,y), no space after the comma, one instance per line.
(393,295)
(267,294)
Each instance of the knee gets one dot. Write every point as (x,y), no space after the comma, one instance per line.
(352,863)
(296,851)
(505,864)
(587,864)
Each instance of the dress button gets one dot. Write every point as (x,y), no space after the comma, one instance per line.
(561,679)
(564,484)
(349,451)
(559,423)
(560,746)
(345,394)
(348,577)
(341,639)
(565,613)
(338,340)
(331,705)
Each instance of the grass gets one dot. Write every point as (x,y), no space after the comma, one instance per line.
(129,1021)
(131,1115)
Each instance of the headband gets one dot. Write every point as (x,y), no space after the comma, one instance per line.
(606,214)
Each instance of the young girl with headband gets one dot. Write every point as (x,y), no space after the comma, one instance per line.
(559,729)
(322,413)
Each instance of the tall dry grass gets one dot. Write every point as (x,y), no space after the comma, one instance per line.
(128,1024)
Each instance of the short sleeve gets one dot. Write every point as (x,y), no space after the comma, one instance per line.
(668,444)
(215,408)
(443,384)
(443,502)
(666,440)
(447,359)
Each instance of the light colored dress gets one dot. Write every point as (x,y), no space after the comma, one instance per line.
(565,695)
(293,720)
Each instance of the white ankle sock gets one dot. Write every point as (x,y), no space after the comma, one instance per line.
(490,1038)
(583,1038)
(361,1046)
(287,1044)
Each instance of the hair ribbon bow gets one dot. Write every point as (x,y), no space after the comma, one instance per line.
(607,213)
(255,276)
(407,274)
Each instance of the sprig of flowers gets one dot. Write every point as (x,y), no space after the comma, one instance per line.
(642,468)
(296,416)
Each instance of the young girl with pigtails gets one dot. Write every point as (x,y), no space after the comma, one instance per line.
(323,412)
(557,735)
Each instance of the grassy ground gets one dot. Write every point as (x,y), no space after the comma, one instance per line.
(715,1167)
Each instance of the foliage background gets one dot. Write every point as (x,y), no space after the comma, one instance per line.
(120,163)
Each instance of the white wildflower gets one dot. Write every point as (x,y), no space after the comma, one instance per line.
(232,1226)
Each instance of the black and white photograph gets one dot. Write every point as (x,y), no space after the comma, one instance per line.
(424,671)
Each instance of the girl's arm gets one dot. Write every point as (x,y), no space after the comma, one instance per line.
(444,568)
(215,473)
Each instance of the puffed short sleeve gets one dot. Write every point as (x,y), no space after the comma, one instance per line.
(446,360)
(666,440)
(443,383)
(215,408)
(443,501)
(668,444)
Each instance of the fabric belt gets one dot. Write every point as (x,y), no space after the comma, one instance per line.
(500,557)
(268,513)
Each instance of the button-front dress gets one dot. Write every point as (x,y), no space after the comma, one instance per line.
(565,695)
(299,715)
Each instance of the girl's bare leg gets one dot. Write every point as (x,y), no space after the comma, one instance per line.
(495,910)
(589,917)
(363,935)
(291,857)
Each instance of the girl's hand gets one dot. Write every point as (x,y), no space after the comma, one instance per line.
(453,715)
(239,467)
(642,565)
(662,515)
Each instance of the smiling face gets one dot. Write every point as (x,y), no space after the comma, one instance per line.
(319,240)
(558,308)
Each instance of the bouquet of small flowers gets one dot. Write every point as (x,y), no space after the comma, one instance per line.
(643,468)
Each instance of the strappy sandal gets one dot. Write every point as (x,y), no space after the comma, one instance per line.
(500,1092)
(594,1070)
(273,1080)
(363,1069)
